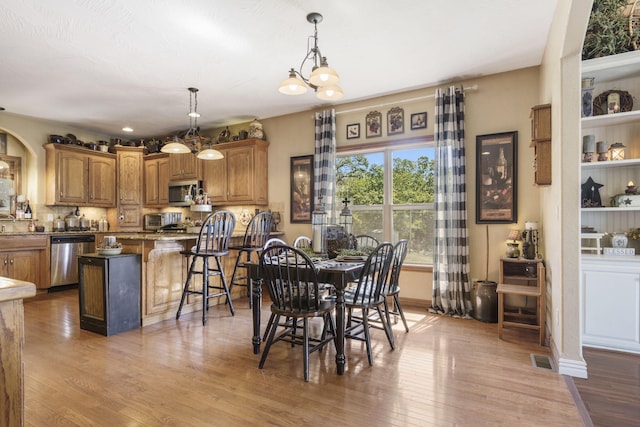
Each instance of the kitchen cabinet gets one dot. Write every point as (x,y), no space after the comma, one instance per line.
(78,176)
(156,182)
(241,177)
(541,141)
(109,293)
(183,166)
(610,287)
(26,258)
(129,183)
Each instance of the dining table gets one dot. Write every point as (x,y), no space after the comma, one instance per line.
(330,271)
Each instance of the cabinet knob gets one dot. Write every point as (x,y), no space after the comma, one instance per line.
(11,261)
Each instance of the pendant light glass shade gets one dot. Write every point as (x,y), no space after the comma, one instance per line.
(324,76)
(292,85)
(330,93)
(210,154)
(175,147)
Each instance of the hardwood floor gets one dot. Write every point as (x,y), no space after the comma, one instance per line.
(443,372)
(611,394)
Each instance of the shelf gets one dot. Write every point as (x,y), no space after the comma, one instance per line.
(611,119)
(610,164)
(613,67)
(611,209)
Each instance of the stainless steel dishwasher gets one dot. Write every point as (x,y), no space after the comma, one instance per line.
(64,257)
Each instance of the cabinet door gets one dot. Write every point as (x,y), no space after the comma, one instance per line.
(72,171)
(151,182)
(24,265)
(130,216)
(102,181)
(215,178)
(183,166)
(163,181)
(130,177)
(240,169)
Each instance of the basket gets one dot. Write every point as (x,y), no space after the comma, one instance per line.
(600,102)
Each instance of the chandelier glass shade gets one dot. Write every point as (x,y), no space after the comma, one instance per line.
(192,142)
(323,79)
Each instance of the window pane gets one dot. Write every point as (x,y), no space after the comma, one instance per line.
(417,226)
(413,175)
(360,178)
(369,222)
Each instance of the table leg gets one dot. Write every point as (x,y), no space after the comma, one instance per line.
(340,357)
(256,306)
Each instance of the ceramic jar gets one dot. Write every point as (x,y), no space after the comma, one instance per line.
(619,240)
(255,130)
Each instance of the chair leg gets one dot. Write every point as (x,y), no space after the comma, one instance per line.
(271,327)
(227,291)
(266,331)
(185,291)
(386,325)
(396,302)
(235,272)
(367,337)
(205,289)
(305,347)
(249,287)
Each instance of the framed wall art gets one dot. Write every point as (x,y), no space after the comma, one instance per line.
(353,131)
(301,189)
(374,124)
(419,121)
(395,121)
(496,178)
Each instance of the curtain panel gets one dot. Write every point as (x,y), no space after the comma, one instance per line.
(325,159)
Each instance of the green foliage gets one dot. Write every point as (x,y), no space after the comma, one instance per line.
(608,30)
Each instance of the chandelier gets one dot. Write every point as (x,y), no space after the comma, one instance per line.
(191,141)
(323,79)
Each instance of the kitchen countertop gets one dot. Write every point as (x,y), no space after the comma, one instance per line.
(142,235)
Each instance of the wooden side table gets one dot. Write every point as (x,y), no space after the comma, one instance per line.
(524,277)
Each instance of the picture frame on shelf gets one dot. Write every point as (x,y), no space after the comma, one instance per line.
(353,131)
(496,178)
(395,121)
(419,121)
(301,172)
(373,124)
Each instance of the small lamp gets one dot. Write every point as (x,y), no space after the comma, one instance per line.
(616,151)
(346,218)
(513,250)
(588,147)
(319,228)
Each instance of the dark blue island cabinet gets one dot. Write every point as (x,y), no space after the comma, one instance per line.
(109,287)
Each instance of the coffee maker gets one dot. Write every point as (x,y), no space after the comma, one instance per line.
(530,240)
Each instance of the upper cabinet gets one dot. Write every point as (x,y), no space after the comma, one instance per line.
(129,183)
(619,74)
(241,177)
(78,176)
(156,180)
(183,166)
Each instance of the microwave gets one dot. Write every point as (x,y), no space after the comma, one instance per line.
(156,221)
(183,193)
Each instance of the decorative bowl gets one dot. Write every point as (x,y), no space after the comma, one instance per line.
(109,251)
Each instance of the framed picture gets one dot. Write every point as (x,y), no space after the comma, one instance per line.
(374,124)
(496,178)
(301,189)
(3,143)
(395,121)
(353,131)
(419,121)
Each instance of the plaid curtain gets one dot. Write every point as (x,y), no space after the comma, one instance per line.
(325,160)
(451,288)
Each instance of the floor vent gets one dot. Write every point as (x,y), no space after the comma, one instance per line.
(541,361)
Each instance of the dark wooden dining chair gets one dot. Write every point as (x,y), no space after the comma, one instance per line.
(255,237)
(274,241)
(292,282)
(213,242)
(367,295)
(364,241)
(302,242)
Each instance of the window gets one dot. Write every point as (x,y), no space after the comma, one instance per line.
(391,194)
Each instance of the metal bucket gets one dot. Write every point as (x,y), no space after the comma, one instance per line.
(484,300)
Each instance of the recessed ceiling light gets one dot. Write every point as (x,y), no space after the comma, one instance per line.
(127,129)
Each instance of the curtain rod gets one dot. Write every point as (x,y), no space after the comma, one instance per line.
(419,98)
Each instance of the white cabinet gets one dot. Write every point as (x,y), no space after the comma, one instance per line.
(611,302)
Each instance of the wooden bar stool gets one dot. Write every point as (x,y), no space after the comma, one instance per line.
(255,237)
(213,242)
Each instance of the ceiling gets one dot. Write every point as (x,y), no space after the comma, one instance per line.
(105,64)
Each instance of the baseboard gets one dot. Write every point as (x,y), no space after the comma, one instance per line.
(415,302)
